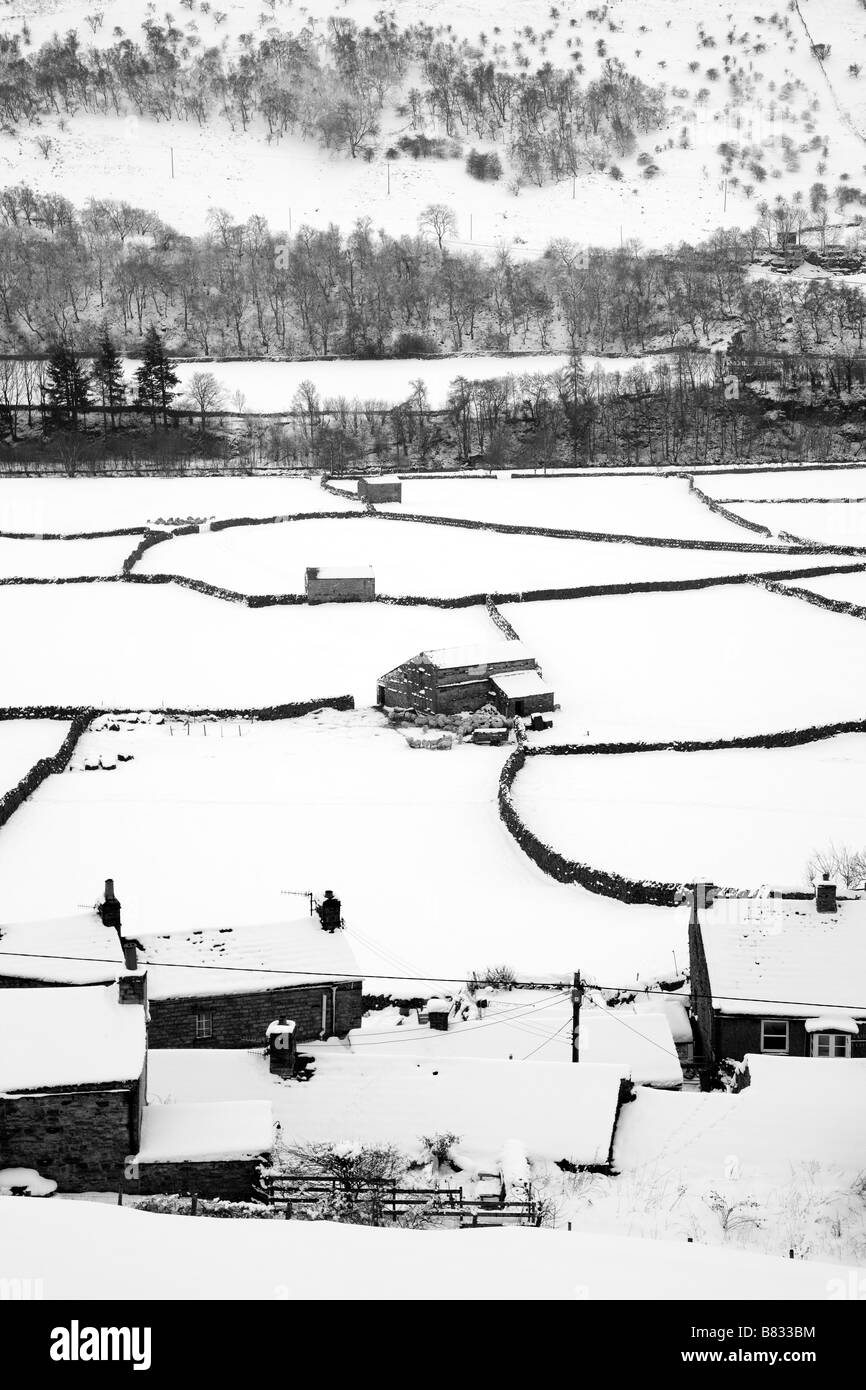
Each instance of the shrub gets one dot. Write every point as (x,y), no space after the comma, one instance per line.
(412,345)
(485,167)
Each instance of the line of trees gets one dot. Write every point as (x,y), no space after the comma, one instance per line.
(65,386)
(65,272)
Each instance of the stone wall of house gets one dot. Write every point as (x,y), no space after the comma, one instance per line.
(232,1179)
(240,1020)
(80,1137)
(738,1035)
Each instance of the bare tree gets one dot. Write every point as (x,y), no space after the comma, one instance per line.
(204,393)
(839,861)
(438,219)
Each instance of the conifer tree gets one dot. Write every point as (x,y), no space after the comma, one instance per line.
(156,378)
(107,372)
(67,384)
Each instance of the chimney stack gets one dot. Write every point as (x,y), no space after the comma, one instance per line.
(132,989)
(109,908)
(281,1046)
(438,1011)
(329,912)
(825,894)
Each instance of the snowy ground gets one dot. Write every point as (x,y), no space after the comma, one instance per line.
(34,506)
(105,1252)
(628,506)
(33,559)
(149,646)
(850,588)
(212,830)
(829,523)
(783,484)
(710,664)
(270,386)
(432,562)
(23,742)
(735,817)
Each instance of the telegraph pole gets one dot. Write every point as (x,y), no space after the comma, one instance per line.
(576,998)
(171,152)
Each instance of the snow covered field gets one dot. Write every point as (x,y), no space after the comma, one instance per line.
(740,818)
(829,523)
(431,561)
(781,484)
(107,1252)
(148,646)
(210,831)
(270,386)
(33,559)
(710,664)
(23,742)
(850,588)
(34,506)
(631,506)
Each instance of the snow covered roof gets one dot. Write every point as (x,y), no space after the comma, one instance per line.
(291,953)
(76,950)
(641,1045)
(555,1111)
(72,1036)
(516,685)
(767,955)
(206,1130)
(823,1090)
(478,654)
(340,572)
(833,1023)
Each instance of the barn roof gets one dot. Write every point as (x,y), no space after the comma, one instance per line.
(489,653)
(340,572)
(517,685)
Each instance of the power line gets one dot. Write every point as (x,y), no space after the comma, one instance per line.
(559,1030)
(470,1027)
(319,975)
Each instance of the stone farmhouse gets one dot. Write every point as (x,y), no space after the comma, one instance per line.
(72,1081)
(221,988)
(457,680)
(757,962)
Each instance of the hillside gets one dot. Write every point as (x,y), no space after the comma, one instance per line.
(736,96)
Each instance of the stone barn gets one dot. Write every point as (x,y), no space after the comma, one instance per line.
(380,489)
(346,584)
(459,680)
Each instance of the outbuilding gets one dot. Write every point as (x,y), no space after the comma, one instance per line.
(381,489)
(340,584)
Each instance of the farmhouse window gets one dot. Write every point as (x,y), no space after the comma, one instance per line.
(831,1045)
(774,1035)
(204,1025)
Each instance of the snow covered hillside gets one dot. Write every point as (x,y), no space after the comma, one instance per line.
(746,79)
